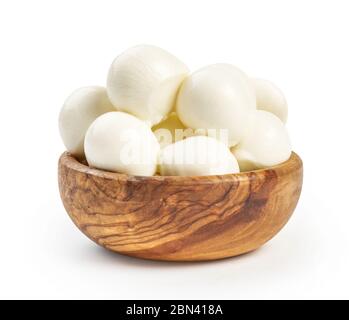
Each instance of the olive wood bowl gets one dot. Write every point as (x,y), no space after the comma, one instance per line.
(180,218)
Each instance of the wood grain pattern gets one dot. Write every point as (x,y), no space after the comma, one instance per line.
(180,218)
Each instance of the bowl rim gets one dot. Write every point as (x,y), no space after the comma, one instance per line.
(294,162)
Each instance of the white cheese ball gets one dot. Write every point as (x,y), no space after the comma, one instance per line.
(270,98)
(119,142)
(144,81)
(266,145)
(197,156)
(80,109)
(218,96)
(169,130)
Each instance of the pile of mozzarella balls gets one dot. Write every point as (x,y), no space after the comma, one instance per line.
(154,117)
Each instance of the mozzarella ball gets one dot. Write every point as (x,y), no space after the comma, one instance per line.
(144,81)
(267,143)
(119,142)
(172,130)
(166,131)
(197,156)
(218,96)
(80,109)
(270,98)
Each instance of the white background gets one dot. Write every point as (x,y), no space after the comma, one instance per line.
(50,48)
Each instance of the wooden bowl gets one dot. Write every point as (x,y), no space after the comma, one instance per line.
(180,218)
